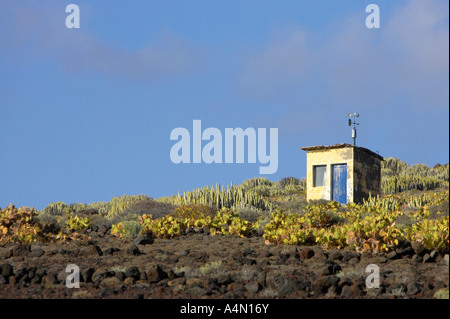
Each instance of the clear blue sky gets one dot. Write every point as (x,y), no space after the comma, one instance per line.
(86,114)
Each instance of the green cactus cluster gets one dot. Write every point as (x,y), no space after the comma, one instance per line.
(398,201)
(255,192)
(398,176)
(114,207)
(219,196)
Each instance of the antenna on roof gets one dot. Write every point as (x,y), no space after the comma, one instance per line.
(350,122)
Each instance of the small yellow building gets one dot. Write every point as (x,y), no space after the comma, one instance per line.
(342,172)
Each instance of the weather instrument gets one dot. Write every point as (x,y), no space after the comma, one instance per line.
(353,122)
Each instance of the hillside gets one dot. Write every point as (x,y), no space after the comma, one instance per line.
(260,239)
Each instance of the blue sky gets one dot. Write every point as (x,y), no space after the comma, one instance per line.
(86,114)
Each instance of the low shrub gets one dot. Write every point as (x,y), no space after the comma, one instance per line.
(442,294)
(77,223)
(144,207)
(128,230)
(194,211)
(285,181)
(212,269)
(250,214)
(19,225)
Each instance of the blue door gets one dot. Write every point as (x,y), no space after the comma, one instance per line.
(339,183)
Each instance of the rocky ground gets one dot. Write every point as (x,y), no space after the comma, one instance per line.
(198,265)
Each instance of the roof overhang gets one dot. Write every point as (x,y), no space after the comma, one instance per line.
(342,145)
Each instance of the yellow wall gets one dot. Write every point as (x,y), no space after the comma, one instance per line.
(328,157)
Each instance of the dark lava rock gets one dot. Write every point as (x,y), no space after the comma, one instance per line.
(50,280)
(38,252)
(306,253)
(112,282)
(133,251)
(120,275)
(284,256)
(413,288)
(427,258)
(183,253)
(265,254)
(19,273)
(90,251)
(103,229)
(5,252)
(36,274)
(205,230)
(248,261)
(320,255)
(434,255)
(143,276)
(252,286)
(332,292)
(261,279)
(248,251)
(70,253)
(155,273)
(196,292)
(323,283)
(405,249)
(109,251)
(417,258)
(62,275)
(223,279)
(133,272)
(51,228)
(326,271)
(366,255)
(356,290)
(86,274)
(282,284)
(418,248)
(213,289)
(101,274)
(172,275)
(392,255)
(236,287)
(146,239)
(336,255)
(21,250)
(345,281)
(237,255)
(349,255)
(346,292)
(330,269)
(6,270)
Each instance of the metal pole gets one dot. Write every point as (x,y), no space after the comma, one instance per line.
(355,115)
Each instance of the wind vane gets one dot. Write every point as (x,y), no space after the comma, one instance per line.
(350,122)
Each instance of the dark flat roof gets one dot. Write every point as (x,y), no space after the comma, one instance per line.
(342,145)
